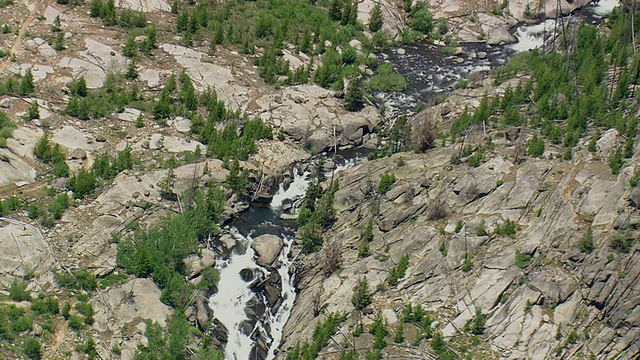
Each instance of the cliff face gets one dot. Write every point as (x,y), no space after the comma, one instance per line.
(543,290)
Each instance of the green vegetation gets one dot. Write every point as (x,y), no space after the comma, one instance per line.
(622,241)
(6,128)
(535,146)
(379,331)
(399,271)
(32,349)
(353,100)
(362,294)
(159,251)
(317,213)
(523,260)
(322,333)
(386,79)
(481,229)
(476,326)
(570,94)
(586,242)
(367,237)
(386,181)
(508,228)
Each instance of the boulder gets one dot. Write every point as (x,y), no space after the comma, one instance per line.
(78,154)
(23,248)
(267,248)
(196,264)
(319,141)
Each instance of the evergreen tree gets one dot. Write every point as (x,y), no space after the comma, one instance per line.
(335,10)
(362,295)
(58,43)
(346,12)
(131,73)
(130,47)
(26,85)
(353,100)
(55,27)
(376,19)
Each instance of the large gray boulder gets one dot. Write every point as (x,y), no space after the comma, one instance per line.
(267,248)
(23,248)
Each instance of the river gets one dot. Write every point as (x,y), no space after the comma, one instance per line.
(254,329)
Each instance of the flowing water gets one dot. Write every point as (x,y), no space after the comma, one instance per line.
(235,301)
(430,73)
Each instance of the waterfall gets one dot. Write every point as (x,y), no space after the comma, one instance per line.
(232,297)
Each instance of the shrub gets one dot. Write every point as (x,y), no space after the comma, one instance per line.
(48,305)
(76,323)
(32,349)
(422,20)
(507,228)
(522,260)
(481,230)
(386,181)
(376,19)
(621,241)
(477,327)
(210,277)
(86,309)
(18,291)
(616,161)
(83,183)
(586,242)
(535,146)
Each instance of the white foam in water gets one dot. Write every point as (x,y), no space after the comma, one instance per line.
(604,7)
(532,37)
(298,187)
(278,320)
(229,302)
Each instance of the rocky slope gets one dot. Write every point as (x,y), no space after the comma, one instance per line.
(532,311)
(543,297)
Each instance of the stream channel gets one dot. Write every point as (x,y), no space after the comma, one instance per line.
(249,319)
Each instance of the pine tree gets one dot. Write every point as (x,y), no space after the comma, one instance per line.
(335,10)
(353,100)
(130,47)
(376,19)
(131,73)
(26,85)
(33,111)
(55,27)
(347,8)
(58,43)
(362,295)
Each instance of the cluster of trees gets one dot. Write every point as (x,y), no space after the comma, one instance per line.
(159,251)
(322,333)
(16,85)
(317,213)
(52,155)
(173,343)
(106,11)
(45,311)
(112,97)
(589,86)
